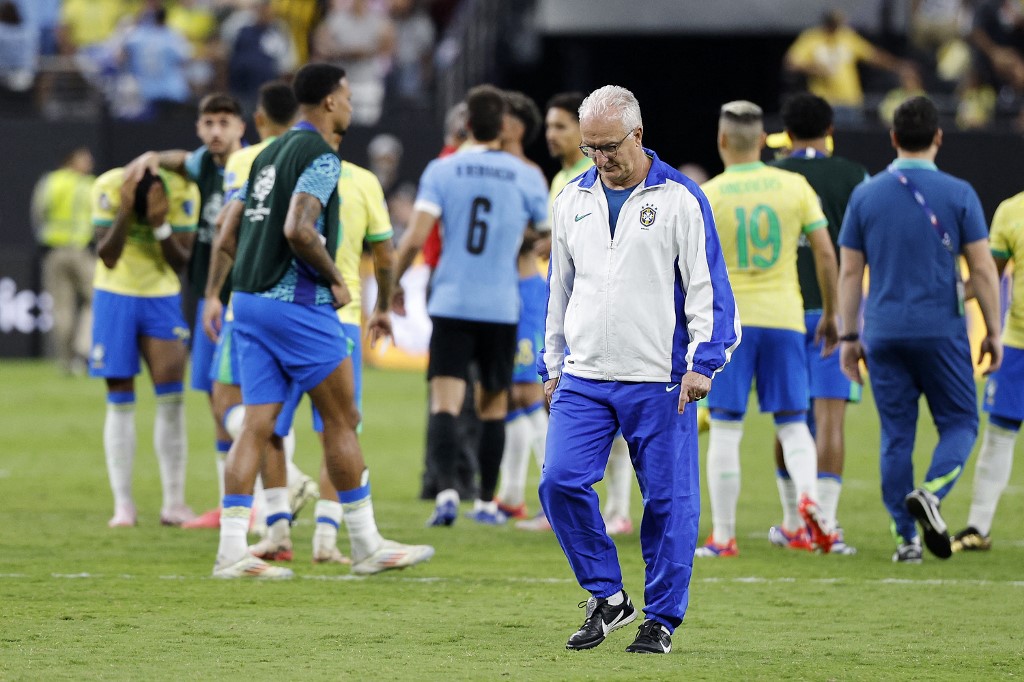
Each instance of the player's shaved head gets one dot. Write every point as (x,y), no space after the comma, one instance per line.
(613,101)
(742,123)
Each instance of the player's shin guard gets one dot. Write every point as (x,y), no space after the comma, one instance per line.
(991,474)
(223,448)
(170,443)
(119,445)
(724,477)
(443,448)
(492,443)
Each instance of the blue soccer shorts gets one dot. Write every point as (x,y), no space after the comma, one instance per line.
(1004,390)
(224,368)
(203,350)
(287,417)
(776,359)
(826,378)
(118,323)
(282,343)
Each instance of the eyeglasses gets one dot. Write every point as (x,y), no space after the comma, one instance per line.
(609,150)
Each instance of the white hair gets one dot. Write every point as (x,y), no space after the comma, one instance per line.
(613,100)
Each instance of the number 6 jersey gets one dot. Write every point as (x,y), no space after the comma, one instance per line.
(485,199)
(761,212)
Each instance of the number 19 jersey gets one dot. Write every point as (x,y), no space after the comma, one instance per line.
(484,199)
(761,213)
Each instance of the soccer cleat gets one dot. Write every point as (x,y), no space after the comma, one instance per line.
(821,534)
(908,553)
(272,550)
(713,549)
(208,519)
(251,567)
(444,514)
(602,618)
(924,506)
(618,525)
(652,638)
(839,545)
(799,539)
(392,555)
(301,493)
(176,515)
(513,512)
(330,555)
(538,523)
(487,517)
(124,517)
(970,540)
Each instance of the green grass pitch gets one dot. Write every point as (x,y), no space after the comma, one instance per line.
(80,601)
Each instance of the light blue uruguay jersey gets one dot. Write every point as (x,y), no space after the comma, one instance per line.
(484,199)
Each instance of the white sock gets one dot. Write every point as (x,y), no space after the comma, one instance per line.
(328,521)
(171,447)
(724,477)
(234,522)
(791,520)
(222,463)
(539,420)
(618,481)
(801,457)
(515,460)
(259,504)
(357,511)
(828,498)
(615,599)
(277,508)
(991,474)
(119,448)
(294,473)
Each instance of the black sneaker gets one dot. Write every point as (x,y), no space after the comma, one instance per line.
(924,507)
(908,553)
(653,638)
(602,618)
(970,539)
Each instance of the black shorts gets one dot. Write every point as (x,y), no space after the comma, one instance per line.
(454,344)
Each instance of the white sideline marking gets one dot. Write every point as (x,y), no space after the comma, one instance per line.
(740,580)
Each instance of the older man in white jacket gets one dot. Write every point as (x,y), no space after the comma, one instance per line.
(640,318)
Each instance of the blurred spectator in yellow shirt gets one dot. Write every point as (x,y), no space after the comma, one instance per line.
(828,55)
(62,218)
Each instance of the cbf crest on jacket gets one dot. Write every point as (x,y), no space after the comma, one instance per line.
(648,304)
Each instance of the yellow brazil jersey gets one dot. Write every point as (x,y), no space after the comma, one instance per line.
(836,54)
(1007,241)
(236,170)
(563,177)
(141,270)
(364,216)
(760,213)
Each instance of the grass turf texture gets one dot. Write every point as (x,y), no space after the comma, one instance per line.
(81,601)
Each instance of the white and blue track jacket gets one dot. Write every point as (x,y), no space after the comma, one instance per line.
(648,305)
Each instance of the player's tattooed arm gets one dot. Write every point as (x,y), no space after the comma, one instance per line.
(308,244)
